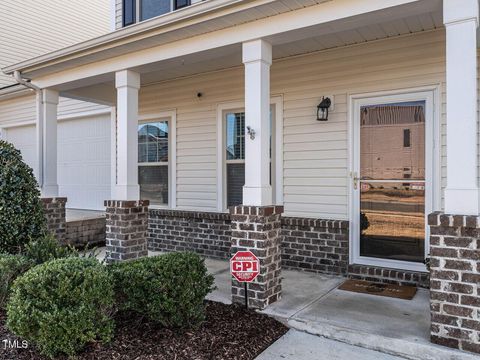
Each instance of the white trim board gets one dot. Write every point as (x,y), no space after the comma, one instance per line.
(432,165)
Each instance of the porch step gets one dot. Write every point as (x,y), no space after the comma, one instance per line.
(397,347)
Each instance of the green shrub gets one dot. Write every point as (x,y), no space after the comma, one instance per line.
(21,212)
(169,289)
(11,267)
(47,248)
(62,305)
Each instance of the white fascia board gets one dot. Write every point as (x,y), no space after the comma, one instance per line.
(309,16)
(171,21)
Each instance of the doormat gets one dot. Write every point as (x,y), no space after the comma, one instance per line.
(366,287)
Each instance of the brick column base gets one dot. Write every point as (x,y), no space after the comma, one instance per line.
(455,280)
(54,209)
(258,229)
(127,223)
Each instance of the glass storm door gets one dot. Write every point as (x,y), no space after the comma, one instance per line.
(390,183)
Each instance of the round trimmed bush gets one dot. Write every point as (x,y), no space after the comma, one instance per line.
(11,267)
(169,289)
(62,305)
(21,212)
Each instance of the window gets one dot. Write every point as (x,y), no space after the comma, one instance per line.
(153,155)
(235,155)
(129,12)
(139,10)
(406,137)
(181,4)
(152,8)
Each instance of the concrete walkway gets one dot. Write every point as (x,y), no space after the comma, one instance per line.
(312,303)
(297,345)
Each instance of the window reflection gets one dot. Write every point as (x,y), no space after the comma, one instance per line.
(392,189)
(393,141)
(153,161)
(152,8)
(392,220)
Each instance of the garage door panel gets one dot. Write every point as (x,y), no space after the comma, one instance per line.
(24,139)
(83,158)
(84,161)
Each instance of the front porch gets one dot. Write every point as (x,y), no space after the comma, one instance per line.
(217,147)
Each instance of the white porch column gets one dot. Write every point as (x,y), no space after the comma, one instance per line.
(257,57)
(461,20)
(127,83)
(47,104)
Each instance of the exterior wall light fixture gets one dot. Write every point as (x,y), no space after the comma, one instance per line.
(322,109)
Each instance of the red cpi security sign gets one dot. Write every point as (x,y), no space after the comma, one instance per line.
(244,266)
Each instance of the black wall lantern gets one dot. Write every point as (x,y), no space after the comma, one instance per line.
(322,109)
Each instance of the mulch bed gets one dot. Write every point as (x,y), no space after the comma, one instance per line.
(229,332)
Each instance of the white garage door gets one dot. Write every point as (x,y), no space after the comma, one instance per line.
(24,139)
(83,158)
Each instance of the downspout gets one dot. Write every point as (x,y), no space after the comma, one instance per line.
(18,78)
(39,125)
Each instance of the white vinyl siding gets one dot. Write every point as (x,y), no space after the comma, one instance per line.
(22,109)
(70,107)
(118,14)
(18,111)
(196,129)
(316,163)
(31,28)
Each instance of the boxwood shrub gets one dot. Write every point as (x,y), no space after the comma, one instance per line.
(47,248)
(169,289)
(21,212)
(62,305)
(11,267)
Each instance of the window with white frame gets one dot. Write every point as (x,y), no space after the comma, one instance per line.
(139,10)
(234,125)
(153,159)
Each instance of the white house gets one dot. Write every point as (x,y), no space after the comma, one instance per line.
(223,103)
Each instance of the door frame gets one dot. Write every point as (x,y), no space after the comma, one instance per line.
(432,166)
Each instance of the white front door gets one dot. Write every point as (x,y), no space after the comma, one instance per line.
(392,173)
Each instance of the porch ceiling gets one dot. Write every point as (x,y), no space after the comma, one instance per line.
(356,30)
(412,18)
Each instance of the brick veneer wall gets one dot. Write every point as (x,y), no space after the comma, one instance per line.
(455,280)
(54,209)
(315,245)
(206,233)
(389,276)
(258,229)
(87,232)
(127,223)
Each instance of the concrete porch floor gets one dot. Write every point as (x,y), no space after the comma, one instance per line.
(78,214)
(313,303)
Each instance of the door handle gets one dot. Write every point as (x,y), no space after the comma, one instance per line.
(355,180)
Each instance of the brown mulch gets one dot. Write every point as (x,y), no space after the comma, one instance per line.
(229,332)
